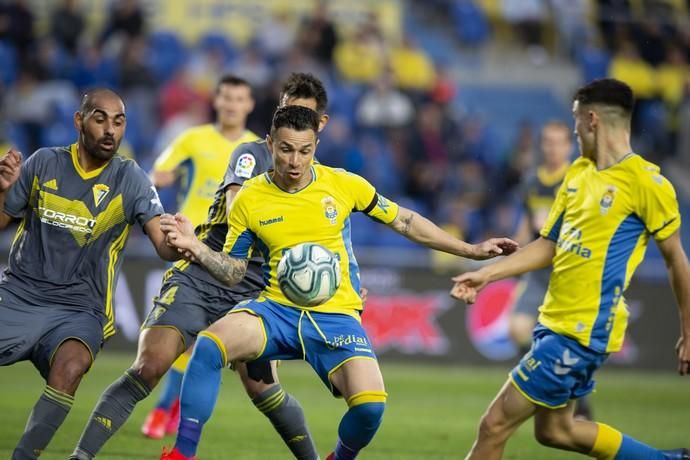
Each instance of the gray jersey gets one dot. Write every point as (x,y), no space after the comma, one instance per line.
(74,226)
(248,160)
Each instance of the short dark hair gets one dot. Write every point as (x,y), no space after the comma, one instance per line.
(608,92)
(305,86)
(295,117)
(88,99)
(232,80)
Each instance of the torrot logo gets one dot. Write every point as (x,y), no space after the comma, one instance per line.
(69,221)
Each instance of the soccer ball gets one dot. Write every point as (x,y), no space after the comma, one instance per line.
(308,274)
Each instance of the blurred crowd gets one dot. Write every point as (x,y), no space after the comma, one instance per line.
(394,112)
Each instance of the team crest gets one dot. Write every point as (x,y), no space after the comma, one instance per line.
(330,211)
(607,200)
(245,165)
(99,193)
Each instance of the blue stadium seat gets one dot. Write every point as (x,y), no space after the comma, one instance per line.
(166,53)
(8,64)
(471,25)
(593,62)
(218,41)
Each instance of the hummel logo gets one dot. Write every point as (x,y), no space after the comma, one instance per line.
(567,361)
(105,422)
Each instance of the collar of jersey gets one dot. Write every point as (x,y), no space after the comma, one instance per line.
(80,170)
(270,181)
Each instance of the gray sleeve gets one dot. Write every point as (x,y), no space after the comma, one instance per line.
(145,203)
(248,160)
(17,197)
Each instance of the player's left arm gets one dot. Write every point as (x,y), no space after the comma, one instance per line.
(679,276)
(158,239)
(225,268)
(419,229)
(657,206)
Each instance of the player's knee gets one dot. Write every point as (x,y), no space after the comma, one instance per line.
(66,371)
(491,426)
(254,388)
(209,350)
(368,408)
(552,436)
(150,369)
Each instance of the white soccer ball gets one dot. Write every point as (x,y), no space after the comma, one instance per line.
(309,274)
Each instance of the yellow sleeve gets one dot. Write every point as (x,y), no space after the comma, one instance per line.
(368,201)
(239,239)
(176,153)
(657,205)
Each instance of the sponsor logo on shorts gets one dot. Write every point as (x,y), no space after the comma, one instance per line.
(564,365)
(344,340)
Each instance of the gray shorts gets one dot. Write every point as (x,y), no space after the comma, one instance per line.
(34,333)
(533,287)
(190,305)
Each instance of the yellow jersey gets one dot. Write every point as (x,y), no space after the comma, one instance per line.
(272,221)
(601,222)
(200,155)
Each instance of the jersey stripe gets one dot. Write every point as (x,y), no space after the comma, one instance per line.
(556,229)
(244,242)
(353,268)
(613,278)
(113,253)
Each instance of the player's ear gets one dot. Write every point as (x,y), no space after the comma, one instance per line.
(323,121)
(269,143)
(78,120)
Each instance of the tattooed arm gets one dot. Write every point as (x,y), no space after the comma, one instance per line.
(419,229)
(226,269)
(180,235)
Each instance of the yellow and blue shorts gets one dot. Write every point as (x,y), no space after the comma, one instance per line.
(556,369)
(325,340)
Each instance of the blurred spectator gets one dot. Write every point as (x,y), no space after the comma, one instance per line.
(126,18)
(177,95)
(384,106)
(32,106)
(527,18)
(134,73)
(276,36)
(360,59)
(522,161)
(67,25)
(613,17)
(570,18)
(628,66)
(432,136)
(318,37)
(412,67)
(253,66)
(17,25)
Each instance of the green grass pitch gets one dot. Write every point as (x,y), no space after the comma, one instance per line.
(432,413)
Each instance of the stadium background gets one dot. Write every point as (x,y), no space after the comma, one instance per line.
(438,103)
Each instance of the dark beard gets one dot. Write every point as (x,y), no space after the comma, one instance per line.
(94,151)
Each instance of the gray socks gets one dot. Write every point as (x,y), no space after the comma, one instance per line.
(287,417)
(111,412)
(46,417)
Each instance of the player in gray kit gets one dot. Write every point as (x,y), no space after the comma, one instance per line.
(75,206)
(190,300)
